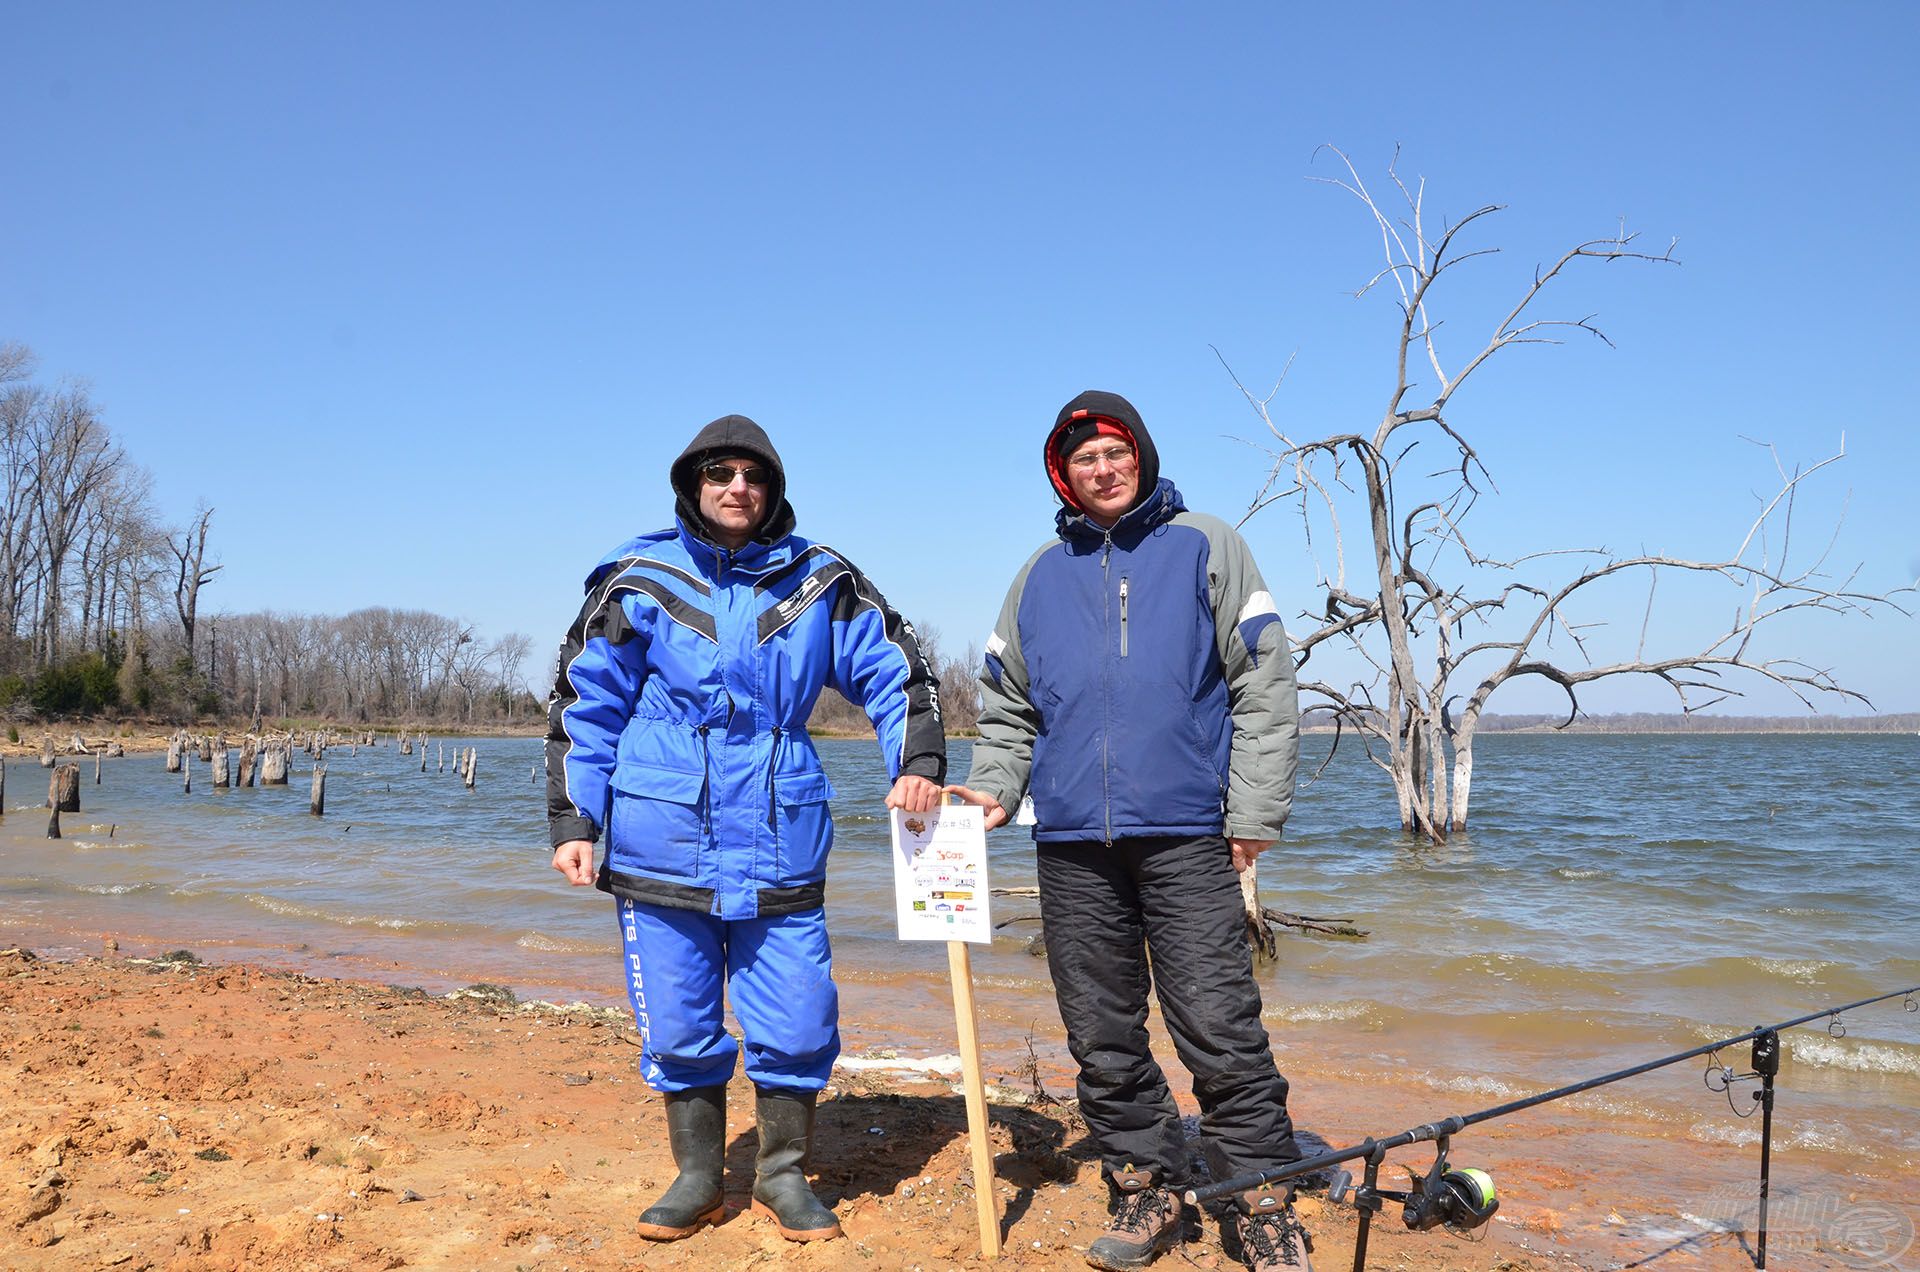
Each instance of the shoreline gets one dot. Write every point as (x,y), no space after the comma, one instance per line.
(215,1115)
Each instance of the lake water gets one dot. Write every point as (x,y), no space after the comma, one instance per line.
(1617,899)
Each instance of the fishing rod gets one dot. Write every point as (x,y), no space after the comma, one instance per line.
(1465,1198)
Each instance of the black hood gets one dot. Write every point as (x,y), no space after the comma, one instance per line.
(1098,404)
(731,435)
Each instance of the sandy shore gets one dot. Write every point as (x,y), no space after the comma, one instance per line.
(193,1116)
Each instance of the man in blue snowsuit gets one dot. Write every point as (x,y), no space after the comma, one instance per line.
(677,735)
(1139,686)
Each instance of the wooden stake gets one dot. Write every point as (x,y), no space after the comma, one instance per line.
(317,802)
(186,773)
(960,965)
(96,766)
(222,768)
(53,824)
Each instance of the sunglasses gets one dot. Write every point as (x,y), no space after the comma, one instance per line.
(723,474)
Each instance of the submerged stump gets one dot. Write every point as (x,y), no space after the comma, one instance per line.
(63,789)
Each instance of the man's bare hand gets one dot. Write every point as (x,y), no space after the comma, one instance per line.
(574,859)
(1245,850)
(914,795)
(996,815)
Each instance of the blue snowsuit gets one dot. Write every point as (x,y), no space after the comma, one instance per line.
(677,733)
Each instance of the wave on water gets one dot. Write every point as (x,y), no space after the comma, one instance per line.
(1303,1013)
(1805,971)
(1473,1084)
(560,945)
(115,889)
(294,910)
(1575,872)
(1820,1051)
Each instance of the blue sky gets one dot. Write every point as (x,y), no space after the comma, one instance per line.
(424,298)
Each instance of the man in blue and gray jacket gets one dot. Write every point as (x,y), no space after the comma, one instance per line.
(677,736)
(1139,686)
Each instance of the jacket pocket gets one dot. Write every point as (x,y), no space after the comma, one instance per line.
(802,826)
(656,822)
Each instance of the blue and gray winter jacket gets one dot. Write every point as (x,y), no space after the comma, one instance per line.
(677,725)
(1138,680)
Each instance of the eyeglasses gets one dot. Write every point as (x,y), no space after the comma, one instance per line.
(1116,456)
(723,474)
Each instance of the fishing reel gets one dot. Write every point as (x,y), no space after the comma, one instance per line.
(1460,1198)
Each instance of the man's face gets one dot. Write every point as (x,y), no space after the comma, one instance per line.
(733,510)
(1104,475)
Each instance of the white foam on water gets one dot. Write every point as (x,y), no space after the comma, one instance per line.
(1349,1009)
(946,1066)
(1574,872)
(555,945)
(294,910)
(115,889)
(1803,970)
(1474,1084)
(1720,1133)
(1819,1051)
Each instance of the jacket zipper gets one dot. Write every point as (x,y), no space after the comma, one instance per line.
(1123,616)
(1106,762)
(706,783)
(773,757)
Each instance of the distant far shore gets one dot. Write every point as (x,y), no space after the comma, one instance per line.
(1902,723)
(152,735)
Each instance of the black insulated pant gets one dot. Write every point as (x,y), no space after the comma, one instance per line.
(1106,909)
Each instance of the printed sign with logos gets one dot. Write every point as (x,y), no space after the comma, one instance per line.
(940,874)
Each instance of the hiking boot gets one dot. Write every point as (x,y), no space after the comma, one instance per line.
(697,1133)
(1146,1222)
(780,1190)
(1271,1238)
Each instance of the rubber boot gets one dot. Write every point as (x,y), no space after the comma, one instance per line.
(780,1189)
(697,1132)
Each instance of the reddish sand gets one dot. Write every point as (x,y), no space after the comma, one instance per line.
(194,1116)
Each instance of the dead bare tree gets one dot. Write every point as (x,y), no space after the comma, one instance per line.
(509,653)
(1426,643)
(190,552)
(74,460)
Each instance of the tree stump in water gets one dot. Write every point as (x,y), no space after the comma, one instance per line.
(63,789)
(222,776)
(173,755)
(473,758)
(249,755)
(406,744)
(46,751)
(186,774)
(317,801)
(53,824)
(206,749)
(96,765)
(273,771)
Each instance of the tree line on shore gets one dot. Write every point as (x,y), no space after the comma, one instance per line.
(101,607)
